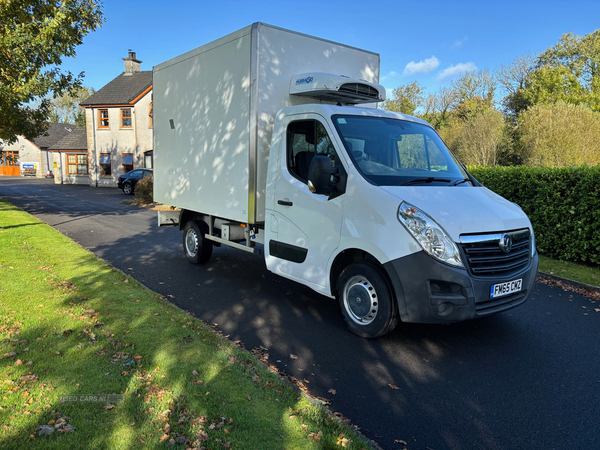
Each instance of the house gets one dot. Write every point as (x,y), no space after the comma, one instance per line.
(31,157)
(70,158)
(119,125)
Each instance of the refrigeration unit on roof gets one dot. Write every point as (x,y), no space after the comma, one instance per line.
(329,87)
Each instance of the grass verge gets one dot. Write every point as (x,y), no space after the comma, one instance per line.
(73,330)
(572,271)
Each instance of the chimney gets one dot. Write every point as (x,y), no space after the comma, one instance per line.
(132,65)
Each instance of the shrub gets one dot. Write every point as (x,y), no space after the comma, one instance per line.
(563,206)
(560,135)
(144,189)
(480,139)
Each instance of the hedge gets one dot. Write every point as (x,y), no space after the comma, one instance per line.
(562,204)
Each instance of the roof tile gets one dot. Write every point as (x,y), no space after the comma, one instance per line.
(122,90)
(75,140)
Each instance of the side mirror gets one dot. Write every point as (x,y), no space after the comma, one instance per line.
(321,176)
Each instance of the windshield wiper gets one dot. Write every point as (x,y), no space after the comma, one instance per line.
(456,183)
(425,180)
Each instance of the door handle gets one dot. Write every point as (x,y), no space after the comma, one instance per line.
(284,202)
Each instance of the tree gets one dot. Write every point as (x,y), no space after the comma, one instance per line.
(406,99)
(513,79)
(65,109)
(567,72)
(480,139)
(438,107)
(474,93)
(35,35)
(579,54)
(560,135)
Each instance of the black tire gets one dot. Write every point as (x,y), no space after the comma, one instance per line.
(128,188)
(368,304)
(196,247)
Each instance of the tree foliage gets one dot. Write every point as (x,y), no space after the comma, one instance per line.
(474,93)
(512,79)
(480,139)
(560,135)
(65,109)
(566,72)
(35,35)
(406,99)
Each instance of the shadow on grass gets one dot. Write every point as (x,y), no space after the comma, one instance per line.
(487,376)
(182,382)
(19,226)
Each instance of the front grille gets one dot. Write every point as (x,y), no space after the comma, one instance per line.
(493,305)
(363,90)
(485,258)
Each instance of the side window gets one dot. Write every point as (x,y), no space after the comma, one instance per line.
(305,139)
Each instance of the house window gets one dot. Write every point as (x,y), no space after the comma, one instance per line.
(151,115)
(127,162)
(126,118)
(148,159)
(77,164)
(105,165)
(103,118)
(10,159)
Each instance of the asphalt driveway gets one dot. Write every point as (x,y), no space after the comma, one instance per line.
(528,378)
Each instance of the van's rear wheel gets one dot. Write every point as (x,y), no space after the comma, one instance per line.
(367,302)
(197,248)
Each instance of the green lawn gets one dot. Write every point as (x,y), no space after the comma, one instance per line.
(572,271)
(73,328)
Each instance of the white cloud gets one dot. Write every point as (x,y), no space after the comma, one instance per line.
(460,42)
(422,66)
(392,74)
(454,70)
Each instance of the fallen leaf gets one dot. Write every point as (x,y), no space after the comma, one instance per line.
(195,373)
(164,437)
(332,391)
(108,406)
(293,356)
(393,386)
(18,362)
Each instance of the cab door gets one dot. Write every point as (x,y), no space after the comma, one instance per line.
(304,228)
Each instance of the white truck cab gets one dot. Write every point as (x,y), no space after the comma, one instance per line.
(394,225)
(360,204)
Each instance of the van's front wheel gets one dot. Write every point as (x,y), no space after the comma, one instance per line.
(367,303)
(197,248)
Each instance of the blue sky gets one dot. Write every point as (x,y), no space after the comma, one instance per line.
(431,42)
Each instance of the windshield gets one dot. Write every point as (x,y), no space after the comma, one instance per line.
(392,152)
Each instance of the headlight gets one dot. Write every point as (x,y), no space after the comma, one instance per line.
(429,234)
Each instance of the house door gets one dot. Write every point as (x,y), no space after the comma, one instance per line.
(9,164)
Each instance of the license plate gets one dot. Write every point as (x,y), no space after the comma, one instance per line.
(502,289)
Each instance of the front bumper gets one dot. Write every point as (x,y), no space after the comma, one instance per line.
(429,291)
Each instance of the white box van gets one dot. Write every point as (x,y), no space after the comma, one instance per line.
(258,141)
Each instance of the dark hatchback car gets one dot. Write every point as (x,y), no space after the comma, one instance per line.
(128,180)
